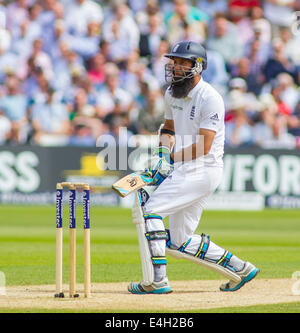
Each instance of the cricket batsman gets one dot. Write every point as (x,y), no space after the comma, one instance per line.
(187,167)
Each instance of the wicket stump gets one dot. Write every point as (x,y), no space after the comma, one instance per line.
(72,229)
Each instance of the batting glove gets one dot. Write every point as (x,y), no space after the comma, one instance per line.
(161,165)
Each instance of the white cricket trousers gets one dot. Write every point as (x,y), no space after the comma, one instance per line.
(183,196)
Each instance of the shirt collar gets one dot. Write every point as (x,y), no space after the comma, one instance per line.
(196,88)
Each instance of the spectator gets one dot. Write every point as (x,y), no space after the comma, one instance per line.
(90,90)
(14,106)
(250,101)
(259,21)
(38,90)
(78,73)
(290,95)
(96,69)
(81,107)
(294,124)
(81,136)
(83,112)
(182,15)
(112,99)
(65,67)
(267,100)
(121,27)
(152,115)
(277,90)
(33,26)
(211,7)
(224,41)
(50,122)
(216,73)
(239,9)
(263,127)
(31,81)
(41,59)
(238,13)
(152,36)
(278,12)
(5,128)
(278,62)
(296,5)
(239,131)
(28,31)
(9,61)
(243,70)
(104,50)
(72,44)
(86,45)
(3,13)
(285,112)
(137,6)
(151,7)
(291,45)
(117,134)
(81,14)
(128,77)
(145,76)
(280,138)
(135,74)
(5,37)
(159,61)
(257,51)
(29,28)
(52,11)
(60,36)
(119,44)
(16,12)
(188,34)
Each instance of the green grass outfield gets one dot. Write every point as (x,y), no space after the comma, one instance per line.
(270,239)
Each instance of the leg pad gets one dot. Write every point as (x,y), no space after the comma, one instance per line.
(204,263)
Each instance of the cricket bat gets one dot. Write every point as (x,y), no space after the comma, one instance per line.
(130,183)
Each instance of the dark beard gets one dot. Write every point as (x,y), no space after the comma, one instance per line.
(182,88)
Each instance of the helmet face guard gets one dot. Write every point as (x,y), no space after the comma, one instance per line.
(188,72)
(189,50)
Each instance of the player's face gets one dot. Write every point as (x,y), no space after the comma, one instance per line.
(181,76)
(181,66)
(178,70)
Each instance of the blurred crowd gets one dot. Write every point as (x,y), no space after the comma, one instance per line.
(73,71)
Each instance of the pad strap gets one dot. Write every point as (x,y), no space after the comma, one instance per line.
(224,260)
(159,260)
(184,245)
(203,246)
(152,216)
(168,239)
(156,235)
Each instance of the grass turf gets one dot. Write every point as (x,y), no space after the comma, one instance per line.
(269,238)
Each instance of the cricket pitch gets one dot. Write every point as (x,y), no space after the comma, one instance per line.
(186,296)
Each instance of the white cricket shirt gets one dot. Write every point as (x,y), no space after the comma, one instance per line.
(202,108)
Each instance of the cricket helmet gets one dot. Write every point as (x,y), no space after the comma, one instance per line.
(186,50)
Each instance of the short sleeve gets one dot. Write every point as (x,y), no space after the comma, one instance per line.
(212,113)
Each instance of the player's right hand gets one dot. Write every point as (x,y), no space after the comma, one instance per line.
(160,165)
(164,153)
